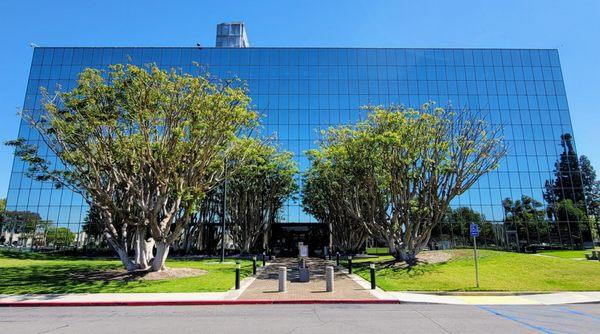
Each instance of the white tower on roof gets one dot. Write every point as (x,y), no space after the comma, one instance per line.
(232,35)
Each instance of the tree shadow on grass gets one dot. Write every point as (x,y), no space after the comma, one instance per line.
(400,269)
(31,255)
(64,279)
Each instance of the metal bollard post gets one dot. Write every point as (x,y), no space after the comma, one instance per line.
(337,259)
(349,264)
(373,284)
(237,276)
(264,258)
(329,279)
(254,265)
(282,279)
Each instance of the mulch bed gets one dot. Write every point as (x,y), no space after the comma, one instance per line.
(425,257)
(434,257)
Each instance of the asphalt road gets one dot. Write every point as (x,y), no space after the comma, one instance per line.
(332,318)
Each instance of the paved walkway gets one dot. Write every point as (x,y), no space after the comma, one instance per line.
(265,285)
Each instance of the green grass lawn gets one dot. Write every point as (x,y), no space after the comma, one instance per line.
(568,254)
(498,271)
(377,250)
(36,273)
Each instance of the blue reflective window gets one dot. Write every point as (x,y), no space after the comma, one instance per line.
(304,89)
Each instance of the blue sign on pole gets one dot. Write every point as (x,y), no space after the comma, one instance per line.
(475,234)
(474,230)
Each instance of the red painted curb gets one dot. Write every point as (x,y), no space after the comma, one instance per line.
(199,302)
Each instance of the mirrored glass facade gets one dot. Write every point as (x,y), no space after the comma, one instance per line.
(302,90)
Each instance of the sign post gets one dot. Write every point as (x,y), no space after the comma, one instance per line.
(303,251)
(475,234)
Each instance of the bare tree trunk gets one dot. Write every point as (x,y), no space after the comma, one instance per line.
(407,255)
(187,234)
(162,251)
(122,252)
(246,247)
(143,249)
(408,251)
(200,239)
(265,244)
(12,233)
(140,247)
(149,244)
(391,245)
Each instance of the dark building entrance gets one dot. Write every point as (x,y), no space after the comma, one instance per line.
(285,237)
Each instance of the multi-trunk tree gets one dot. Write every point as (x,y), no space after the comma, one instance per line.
(142,146)
(412,164)
(340,190)
(260,180)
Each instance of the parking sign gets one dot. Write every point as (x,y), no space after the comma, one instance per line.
(474,230)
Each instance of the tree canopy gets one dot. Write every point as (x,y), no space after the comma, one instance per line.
(141,145)
(397,171)
(570,194)
(260,180)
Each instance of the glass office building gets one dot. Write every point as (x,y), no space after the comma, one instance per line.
(302,90)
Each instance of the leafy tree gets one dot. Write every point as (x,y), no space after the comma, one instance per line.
(59,237)
(568,182)
(460,220)
(577,222)
(208,213)
(92,225)
(340,190)
(526,216)
(566,197)
(457,228)
(416,162)
(260,180)
(24,223)
(591,189)
(142,146)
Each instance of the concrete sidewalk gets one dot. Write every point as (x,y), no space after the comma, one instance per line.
(558,298)
(232,297)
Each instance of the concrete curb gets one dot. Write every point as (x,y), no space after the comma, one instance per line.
(481,293)
(198,303)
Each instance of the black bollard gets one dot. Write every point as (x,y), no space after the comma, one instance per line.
(254,265)
(264,259)
(237,276)
(349,264)
(337,259)
(373,284)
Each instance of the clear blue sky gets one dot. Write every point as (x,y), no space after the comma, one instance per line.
(571,26)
